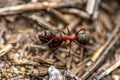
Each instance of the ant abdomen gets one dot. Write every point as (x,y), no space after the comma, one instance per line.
(46,37)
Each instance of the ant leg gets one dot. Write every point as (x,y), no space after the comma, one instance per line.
(68,30)
(88,47)
(69,59)
(63,32)
(85,46)
(47,42)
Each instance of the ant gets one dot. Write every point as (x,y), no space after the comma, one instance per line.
(54,40)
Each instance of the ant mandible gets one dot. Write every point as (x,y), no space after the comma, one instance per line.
(54,40)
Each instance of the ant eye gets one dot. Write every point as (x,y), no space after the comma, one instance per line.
(83,38)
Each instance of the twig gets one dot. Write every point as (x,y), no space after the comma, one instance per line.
(60,58)
(33,6)
(104,46)
(37,46)
(105,20)
(83,62)
(39,71)
(3,73)
(101,59)
(96,12)
(72,25)
(107,7)
(65,50)
(21,8)
(69,61)
(59,15)
(108,70)
(41,22)
(25,63)
(5,50)
(45,54)
(43,60)
(90,6)
(77,12)
(71,75)
(79,70)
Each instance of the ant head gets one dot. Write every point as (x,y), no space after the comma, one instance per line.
(82,36)
(48,33)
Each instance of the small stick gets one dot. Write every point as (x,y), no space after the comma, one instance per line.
(65,50)
(68,62)
(17,77)
(41,22)
(44,48)
(108,70)
(72,75)
(5,50)
(59,64)
(82,53)
(107,7)
(103,47)
(58,15)
(103,57)
(45,54)
(69,59)
(28,63)
(105,20)
(37,46)
(60,58)
(21,8)
(79,70)
(33,6)
(83,62)
(90,6)
(77,12)
(96,12)
(72,25)
(39,72)
(43,60)
(101,60)
(3,73)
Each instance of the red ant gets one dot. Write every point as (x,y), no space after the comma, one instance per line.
(56,39)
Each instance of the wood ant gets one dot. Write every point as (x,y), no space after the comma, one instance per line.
(54,40)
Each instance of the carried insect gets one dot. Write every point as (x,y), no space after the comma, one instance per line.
(54,40)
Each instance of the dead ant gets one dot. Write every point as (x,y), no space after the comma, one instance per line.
(54,40)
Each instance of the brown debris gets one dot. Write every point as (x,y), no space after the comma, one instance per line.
(23,56)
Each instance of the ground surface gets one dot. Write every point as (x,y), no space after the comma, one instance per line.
(24,57)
